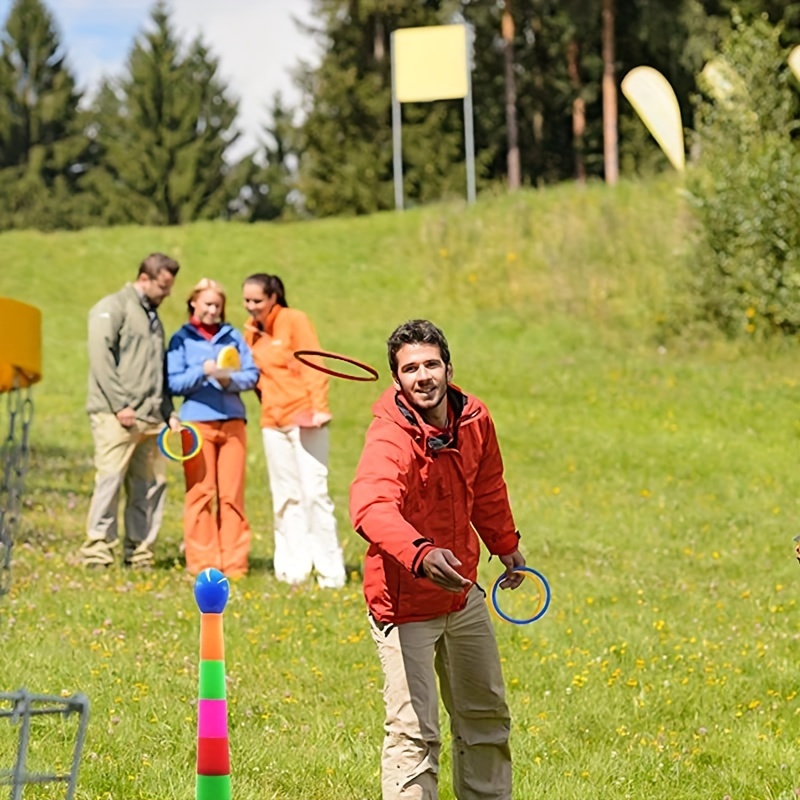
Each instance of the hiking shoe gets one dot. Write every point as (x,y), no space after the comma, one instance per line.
(141,558)
(97,553)
(331,583)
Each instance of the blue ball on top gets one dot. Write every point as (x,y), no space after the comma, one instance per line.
(211,590)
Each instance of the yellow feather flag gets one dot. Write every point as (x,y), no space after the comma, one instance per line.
(723,83)
(653,99)
(794,61)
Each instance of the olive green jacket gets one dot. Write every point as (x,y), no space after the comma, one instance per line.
(127,359)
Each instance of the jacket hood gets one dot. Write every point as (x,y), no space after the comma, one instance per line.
(392,407)
(189,330)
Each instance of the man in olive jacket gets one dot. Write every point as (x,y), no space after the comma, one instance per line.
(128,405)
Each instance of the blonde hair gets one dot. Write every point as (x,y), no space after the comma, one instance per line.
(201,286)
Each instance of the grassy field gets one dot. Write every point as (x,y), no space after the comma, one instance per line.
(654,479)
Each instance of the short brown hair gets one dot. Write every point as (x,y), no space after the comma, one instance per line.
(416,331)
(157,263)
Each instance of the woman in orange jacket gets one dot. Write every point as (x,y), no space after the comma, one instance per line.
(294,426)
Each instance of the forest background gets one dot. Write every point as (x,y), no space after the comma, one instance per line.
(152,145)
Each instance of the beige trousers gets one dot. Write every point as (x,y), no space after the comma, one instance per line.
(129,457)
(460,649)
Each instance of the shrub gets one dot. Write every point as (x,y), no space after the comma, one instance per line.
(745,188)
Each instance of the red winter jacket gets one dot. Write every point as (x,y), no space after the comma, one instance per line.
(410,495)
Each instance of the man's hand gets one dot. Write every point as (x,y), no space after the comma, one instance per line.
(512,579)
(174,423)
(126,416)
(439,564)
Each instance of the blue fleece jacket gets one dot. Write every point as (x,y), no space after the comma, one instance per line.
(204,398)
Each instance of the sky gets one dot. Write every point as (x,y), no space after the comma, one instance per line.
(256,42)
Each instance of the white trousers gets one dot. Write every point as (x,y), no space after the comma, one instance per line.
(305,526)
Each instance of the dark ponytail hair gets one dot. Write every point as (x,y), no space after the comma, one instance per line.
(270,284)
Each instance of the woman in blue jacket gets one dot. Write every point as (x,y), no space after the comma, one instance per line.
(213,537)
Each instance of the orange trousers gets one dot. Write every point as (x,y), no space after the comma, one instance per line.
(215,530)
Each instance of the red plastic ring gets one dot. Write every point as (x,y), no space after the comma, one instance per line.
(372,373)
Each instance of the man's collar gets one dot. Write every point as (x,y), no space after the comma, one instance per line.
(143,298)
(435,439)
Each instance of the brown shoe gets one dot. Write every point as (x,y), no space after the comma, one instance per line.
(97,553)
(141,558)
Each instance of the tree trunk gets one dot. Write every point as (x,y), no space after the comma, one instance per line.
(537,121)
(611,154)
(378,43)
(578,109)
(511,99)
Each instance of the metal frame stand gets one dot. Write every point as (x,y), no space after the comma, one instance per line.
(14,456)
(24,706)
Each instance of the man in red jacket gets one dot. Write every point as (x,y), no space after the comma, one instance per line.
(429,483)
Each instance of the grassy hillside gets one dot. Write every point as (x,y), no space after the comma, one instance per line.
(654,480)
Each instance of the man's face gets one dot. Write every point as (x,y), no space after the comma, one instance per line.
(158,288)
(422,376)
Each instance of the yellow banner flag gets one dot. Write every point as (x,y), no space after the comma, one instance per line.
(794,61)
(723,83)
(653,99)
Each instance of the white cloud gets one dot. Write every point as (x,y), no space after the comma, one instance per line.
(256,41)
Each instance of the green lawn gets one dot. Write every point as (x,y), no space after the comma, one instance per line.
(653,478)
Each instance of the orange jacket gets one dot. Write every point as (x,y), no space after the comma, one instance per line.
(409,497)
(290,392)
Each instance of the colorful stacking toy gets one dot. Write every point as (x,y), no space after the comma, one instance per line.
(213,753)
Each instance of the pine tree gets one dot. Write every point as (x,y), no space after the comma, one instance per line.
(545,88)
(271,184)
(162,133)
(42,148)
(346,137)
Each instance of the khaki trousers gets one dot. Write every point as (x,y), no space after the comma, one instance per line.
(460,649)
(129,457)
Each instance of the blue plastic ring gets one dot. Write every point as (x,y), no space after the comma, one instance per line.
(197,443)
(539,614)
